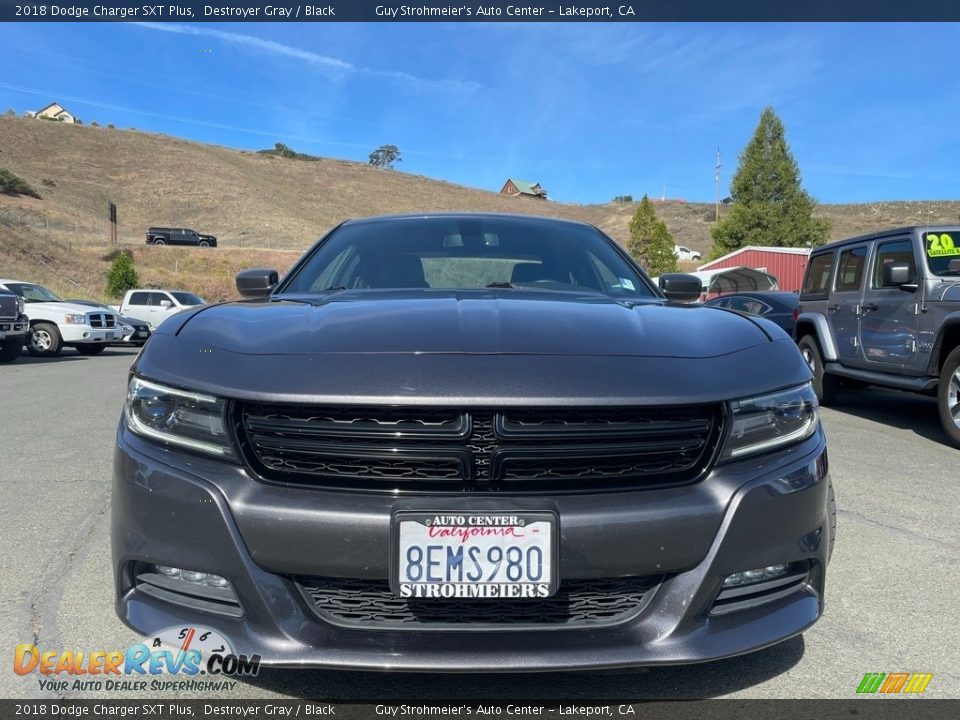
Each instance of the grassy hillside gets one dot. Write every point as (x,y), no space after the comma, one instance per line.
(257,204)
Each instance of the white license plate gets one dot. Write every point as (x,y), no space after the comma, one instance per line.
(482,556)
(142,333)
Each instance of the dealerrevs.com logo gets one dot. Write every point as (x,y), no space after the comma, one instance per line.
(171,660)
(900,683)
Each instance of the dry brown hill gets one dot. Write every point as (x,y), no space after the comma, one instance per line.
(252,201)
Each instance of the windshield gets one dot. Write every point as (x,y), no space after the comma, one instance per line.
(468,253)
(33,293)
(943,252)
(185,298)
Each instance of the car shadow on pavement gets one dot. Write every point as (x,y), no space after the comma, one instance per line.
(903,410)
(684,682)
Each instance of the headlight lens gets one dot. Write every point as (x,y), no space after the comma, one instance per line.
(764,423)
(75,319)
(178,417)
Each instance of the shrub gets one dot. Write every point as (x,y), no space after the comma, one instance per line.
(10,184)
(122,275)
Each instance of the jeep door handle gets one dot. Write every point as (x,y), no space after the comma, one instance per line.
(870,307)
(834,308)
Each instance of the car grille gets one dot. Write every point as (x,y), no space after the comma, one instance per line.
(102,320)
(516,450)
(9,307)
(370,603)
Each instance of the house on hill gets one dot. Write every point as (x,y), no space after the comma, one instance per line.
(54,111)
(518,188)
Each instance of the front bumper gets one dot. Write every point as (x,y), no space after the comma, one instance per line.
(9,329)
(83,334)
(175,509)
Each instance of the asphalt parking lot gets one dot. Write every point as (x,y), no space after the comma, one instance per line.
(893,602)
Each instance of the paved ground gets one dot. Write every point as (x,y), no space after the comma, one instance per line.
(893,602)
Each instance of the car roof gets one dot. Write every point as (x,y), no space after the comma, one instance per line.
(890,232)
(532,219)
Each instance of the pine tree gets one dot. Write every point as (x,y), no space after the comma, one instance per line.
(122,275)
(770,208)
(650,243)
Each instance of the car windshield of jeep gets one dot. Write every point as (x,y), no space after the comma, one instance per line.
(463,253)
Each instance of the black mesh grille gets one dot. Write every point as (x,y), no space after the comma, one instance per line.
(370,603)
(9,307)
(479,450)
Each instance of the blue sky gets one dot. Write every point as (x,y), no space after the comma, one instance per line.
(589,110)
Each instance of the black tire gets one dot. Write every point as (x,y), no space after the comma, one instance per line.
(948,396)
(44,340)
(159,241)
(832,513)
(10,349)
(90,349)
(203,244)
(824,384)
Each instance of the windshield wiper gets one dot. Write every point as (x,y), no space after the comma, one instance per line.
(504,285)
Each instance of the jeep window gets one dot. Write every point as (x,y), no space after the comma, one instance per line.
(818,275)
(899,252)
(458,253)
(32,293)
(850,269)
(185,298)
(140,298)
(943,253)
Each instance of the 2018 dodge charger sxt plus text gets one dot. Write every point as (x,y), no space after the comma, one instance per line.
(442,440)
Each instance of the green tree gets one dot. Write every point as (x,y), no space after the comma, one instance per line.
(770,208)
(10,184)
(122,275)
(650,242)
(385,156)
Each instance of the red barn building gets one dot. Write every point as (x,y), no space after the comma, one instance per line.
(785,264)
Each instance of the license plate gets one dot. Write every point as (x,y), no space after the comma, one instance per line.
(141,333)
(481,556)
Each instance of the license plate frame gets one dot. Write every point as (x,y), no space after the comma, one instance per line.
(527,517)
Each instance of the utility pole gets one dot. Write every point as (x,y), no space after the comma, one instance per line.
(716,180)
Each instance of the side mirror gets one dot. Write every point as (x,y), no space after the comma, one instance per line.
(166,303)
(899,274)
(257,283)
(680,287)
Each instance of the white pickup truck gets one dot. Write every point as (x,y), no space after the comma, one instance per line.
(55,324)
(155,306)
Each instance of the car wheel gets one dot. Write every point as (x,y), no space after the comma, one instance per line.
(824,384)
(159,241)
(203,243)
(948,396)
(832,513)
(88,349)
(45,340)
(10,350)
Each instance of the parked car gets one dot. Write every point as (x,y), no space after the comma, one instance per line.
(780,307)
(14,326)
(884,309)
(684,253)
(135,332)
(489,434)
(155,306)
(179,236)
(55,324)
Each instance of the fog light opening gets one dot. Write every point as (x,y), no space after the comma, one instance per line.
(748,577)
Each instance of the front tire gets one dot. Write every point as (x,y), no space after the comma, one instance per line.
(159,241)
(10,349)
(203,244)
(824,384)
(89,349)
(45,340)
(948,396)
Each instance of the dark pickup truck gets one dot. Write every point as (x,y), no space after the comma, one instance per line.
(13,326)
(179,236)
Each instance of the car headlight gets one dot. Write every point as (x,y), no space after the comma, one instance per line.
(767,422)
(75,319)
(178,417)
(21,306)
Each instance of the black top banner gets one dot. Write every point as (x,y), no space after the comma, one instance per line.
(487,11)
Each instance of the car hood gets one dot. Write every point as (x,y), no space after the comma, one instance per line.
(472,323)
(67,308)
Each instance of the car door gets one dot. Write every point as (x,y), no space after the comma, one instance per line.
(889,314)
(843,307)
(138,306)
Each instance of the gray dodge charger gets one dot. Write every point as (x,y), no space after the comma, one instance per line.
(464,442)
